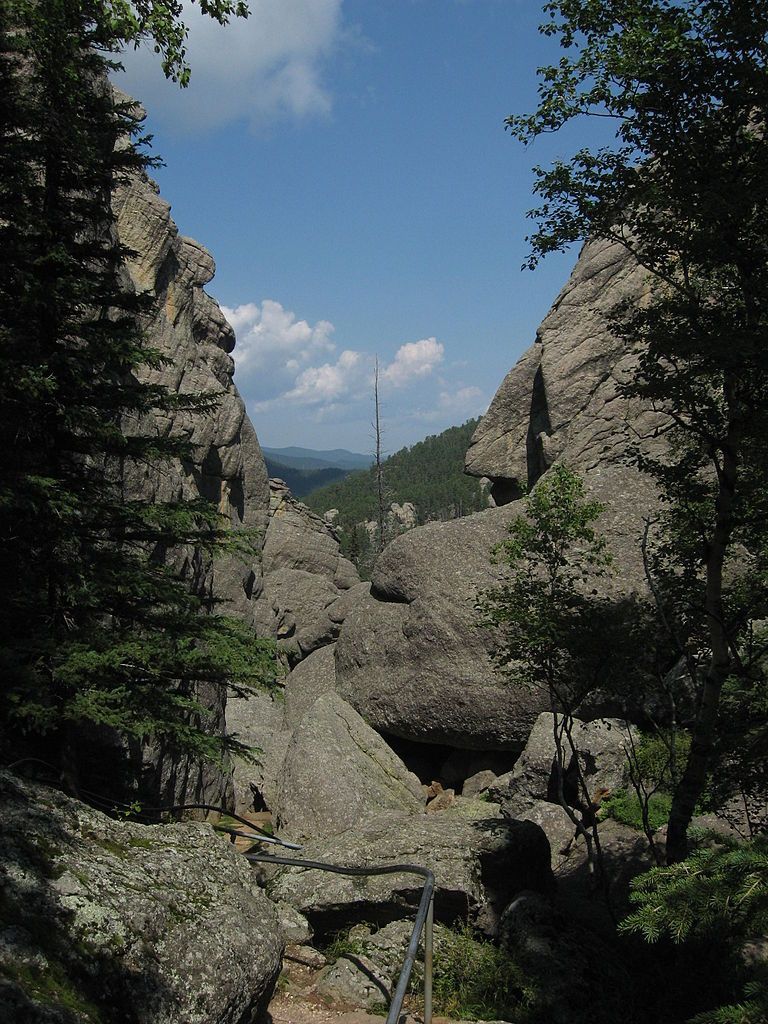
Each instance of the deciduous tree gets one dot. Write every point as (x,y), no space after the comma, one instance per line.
(683,186)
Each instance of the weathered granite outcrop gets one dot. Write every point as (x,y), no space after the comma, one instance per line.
(413,659)
(293,585)
(338,772)
(187,326)
(308,586)
(561,400)
(106,920)
(258,720)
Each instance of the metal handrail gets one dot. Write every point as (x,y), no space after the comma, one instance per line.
(424,920)
(424,915)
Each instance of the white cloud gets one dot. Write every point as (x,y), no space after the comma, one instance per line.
(464,399)
(413,360)
(283,362)
(270,337)
(327,383)
(462,402)
(265,67)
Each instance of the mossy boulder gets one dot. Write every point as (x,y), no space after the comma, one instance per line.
(104,920)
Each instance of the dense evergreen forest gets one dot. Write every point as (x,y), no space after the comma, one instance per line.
(429,474)
(304,481)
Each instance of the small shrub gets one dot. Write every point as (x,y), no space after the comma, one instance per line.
(653,759)
(342,944)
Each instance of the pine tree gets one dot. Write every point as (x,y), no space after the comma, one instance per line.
(95,626)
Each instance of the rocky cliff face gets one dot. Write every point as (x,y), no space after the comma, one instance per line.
(294,586)
(561,401)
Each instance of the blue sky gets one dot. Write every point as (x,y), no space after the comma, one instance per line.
(346,163)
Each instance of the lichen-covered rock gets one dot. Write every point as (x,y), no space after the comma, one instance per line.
(479,865)
(355,980)
(104,920)
(337,772)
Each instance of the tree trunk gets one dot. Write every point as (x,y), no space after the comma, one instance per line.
(688,791)
(379,468)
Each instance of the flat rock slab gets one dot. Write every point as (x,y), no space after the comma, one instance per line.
(479,865)
(152,924)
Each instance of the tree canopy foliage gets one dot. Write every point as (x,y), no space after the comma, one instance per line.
(683,187)
(96,624)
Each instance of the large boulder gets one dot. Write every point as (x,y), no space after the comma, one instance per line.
(308,585)
(258,720)
(297,538)
(413,657)
(105,920)
(337,772)
(602,747)
(479,865)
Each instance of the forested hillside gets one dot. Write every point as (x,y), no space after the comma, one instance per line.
(302,481)
(430,475)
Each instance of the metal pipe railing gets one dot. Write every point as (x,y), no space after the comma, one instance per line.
(424,915)
(424,921)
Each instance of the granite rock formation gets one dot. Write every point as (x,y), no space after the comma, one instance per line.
(480,863)
(561,400)
(338,772)
(293,585)
(413,659)
(103,919)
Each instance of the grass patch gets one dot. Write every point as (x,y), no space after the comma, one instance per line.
(342,944)
(624,806)
(475,980)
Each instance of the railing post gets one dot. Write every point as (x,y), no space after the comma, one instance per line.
(428,950)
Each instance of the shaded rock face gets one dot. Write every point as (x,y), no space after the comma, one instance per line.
(479,865)
(602,746)
(258,720)
(414,659)
(187,326)
(294,586)
(101,919)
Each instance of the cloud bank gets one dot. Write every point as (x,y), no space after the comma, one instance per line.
(296,383)
(263,68)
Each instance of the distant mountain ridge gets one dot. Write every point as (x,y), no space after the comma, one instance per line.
(309,458)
